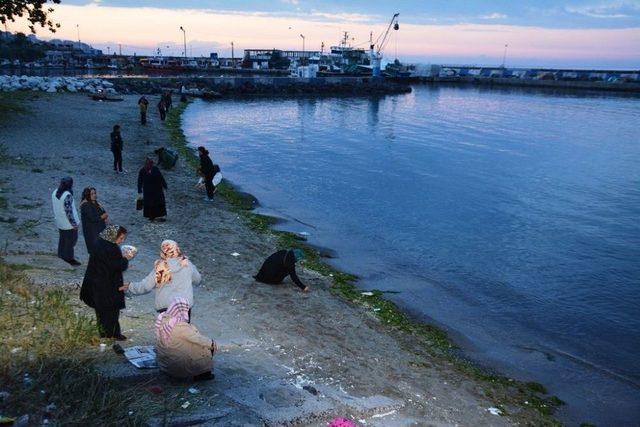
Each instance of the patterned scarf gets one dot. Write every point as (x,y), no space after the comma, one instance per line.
(178,311)
(110,233)
(168,249)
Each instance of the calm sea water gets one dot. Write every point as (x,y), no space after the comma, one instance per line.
(509,217)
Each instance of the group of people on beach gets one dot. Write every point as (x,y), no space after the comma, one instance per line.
(182,351)
(164,105)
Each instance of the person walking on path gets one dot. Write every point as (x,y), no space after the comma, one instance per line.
(151,186)
(167,100)
(66,219)
(143,104)
(162,108)
(173,276)
(94,217)
(182,351)
(103,287)
(116,148)
(207,170)
(280,265)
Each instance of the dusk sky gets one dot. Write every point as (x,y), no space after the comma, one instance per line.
(559,33)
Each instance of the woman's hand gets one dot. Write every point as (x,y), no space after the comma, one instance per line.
(104,216)
(124,287)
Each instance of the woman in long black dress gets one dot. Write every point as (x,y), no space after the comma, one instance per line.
(103,287)
(151,186)
(93,217)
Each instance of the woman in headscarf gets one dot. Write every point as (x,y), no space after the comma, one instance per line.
(151,186)
(94,218)
(280,265)
(173,276)
(103,287)
(182,351)
(66,218)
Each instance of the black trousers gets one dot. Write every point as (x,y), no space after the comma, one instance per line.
(163,115)
(143,117)
(208,185)
(66,243)
(117,160)
(108,322)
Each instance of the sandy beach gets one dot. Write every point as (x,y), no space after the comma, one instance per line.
(287,357)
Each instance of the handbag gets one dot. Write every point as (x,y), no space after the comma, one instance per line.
(139,204)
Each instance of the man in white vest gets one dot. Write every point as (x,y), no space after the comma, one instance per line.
(67,221)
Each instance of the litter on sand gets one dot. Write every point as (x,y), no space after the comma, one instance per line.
(384,415)
(185,405)
(142,356)
(235,254)
(194,390)
(367,294)
(494,411)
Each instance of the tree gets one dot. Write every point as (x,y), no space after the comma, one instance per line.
(36,12)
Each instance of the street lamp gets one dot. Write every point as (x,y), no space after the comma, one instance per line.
(504,56)
(302,43)
(184,34)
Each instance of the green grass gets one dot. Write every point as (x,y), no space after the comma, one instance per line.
(46,368)
(13,103)
(502,390)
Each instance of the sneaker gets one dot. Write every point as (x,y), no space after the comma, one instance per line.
(120,338)
(73,262)
(206,199)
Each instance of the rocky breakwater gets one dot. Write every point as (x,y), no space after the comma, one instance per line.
(55,84)
(273,86)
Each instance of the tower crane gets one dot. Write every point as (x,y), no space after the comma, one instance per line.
(376,48)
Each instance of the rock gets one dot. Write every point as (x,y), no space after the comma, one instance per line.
(22,421)
(4,395)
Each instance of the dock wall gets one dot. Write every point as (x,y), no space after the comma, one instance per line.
(267,85)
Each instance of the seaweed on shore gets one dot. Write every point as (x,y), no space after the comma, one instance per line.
(434,340)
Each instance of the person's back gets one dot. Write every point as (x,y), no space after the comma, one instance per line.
(186,354)
(116,141)
(280,265)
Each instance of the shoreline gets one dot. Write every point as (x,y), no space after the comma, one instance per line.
(389,313)
(275,340)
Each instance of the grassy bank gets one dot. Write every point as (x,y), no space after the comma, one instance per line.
(525,400)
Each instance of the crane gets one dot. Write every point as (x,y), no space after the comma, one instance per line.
(381,41)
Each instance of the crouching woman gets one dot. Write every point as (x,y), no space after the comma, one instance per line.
(182,351)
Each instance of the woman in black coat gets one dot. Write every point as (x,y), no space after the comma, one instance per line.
(151,186)
(103,287)
(93,216)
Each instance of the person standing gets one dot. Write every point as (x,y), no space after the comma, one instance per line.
(167,100)
(173,276)
(143,103)
(66,218)
(280,265)
(116,148)
(93,216)
(162,108)
(208,171)
(151,186)
(102,286)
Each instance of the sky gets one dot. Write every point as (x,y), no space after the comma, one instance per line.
(553,33)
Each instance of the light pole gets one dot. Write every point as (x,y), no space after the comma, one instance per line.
(302,43)
(184,34)
(78,28)
(233,59)
(504,56)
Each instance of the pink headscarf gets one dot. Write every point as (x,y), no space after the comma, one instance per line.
(178,311)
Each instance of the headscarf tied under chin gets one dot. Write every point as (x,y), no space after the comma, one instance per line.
(110,233)
(168,249)
(178,311)
(66,184)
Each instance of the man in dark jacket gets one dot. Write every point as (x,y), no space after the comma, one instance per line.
(116,148)
(208,171)
(103,287)
(280,265)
